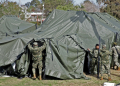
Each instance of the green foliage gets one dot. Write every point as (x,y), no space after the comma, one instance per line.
(50,5)
(35,3)
(9,8)
(13,81)
(22,16)
(112,7)
(31,9)
(82,6)
(66,7)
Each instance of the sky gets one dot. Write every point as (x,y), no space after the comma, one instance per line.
(75,1)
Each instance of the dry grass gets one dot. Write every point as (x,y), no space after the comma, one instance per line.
(12,81)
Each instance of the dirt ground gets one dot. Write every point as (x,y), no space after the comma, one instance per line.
(13,81)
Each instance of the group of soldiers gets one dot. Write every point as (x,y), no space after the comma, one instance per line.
(104,55)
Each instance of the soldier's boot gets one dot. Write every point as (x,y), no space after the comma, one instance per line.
(101,78)
(40,78)
(118,69)
(34,76)
(109,78)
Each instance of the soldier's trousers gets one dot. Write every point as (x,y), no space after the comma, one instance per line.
(116,60)
(105,66)
(36,64)
(93,64)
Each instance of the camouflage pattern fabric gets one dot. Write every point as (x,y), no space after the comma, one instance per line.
(37,56)
(37,63)
(115,55)
(93,63)
(105,64)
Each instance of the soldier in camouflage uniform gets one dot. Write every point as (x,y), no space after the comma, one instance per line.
(94,56)
(37,58)
(105,61)
(116,48)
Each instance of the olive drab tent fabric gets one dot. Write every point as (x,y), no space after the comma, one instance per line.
(12,25)
(67,34)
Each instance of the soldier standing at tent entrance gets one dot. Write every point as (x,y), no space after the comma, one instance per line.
(94,56)
(115,52)
(105,62)
(37,58)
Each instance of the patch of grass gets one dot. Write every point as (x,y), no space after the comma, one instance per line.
(13,81)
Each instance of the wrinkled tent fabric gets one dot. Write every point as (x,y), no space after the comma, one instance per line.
(12,25)
(67,34)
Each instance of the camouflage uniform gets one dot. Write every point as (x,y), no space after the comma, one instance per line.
(115,55)
(105,61)
(37,57)
(94,56)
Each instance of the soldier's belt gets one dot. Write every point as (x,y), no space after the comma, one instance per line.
(37,56)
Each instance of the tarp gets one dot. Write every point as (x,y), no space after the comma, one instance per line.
(12,25)
(67,35)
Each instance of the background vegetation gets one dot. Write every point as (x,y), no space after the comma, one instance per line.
(111,7)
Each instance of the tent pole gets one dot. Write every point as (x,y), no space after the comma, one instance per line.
(98,66)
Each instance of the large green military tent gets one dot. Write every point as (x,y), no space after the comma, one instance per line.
(67,34)
(12,25)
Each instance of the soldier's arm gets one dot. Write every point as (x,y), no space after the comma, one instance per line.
(119,47)
(112,50)
(30,47)
(100,54)
(91,52)
(110,53)
(43,46)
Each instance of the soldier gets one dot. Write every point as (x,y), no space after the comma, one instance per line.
(115,52)
(37,58)
(105,62)
(94,56)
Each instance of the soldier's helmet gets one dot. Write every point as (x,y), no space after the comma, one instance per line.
(104,46)
(114,43)
(35,44)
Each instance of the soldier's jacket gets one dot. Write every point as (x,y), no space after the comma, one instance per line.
(94,53)
(114,52)
(105,55)
(36,51)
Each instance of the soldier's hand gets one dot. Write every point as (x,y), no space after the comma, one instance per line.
(42,40)
(88,49)
(31,41)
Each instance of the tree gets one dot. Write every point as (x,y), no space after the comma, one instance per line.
(50,5)
(35,3)
(31,8)
(69,7)
(90,6)
(9,8)
(112,7)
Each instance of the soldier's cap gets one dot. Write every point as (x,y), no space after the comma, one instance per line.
(35,44)
(115,43)
(104,45)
